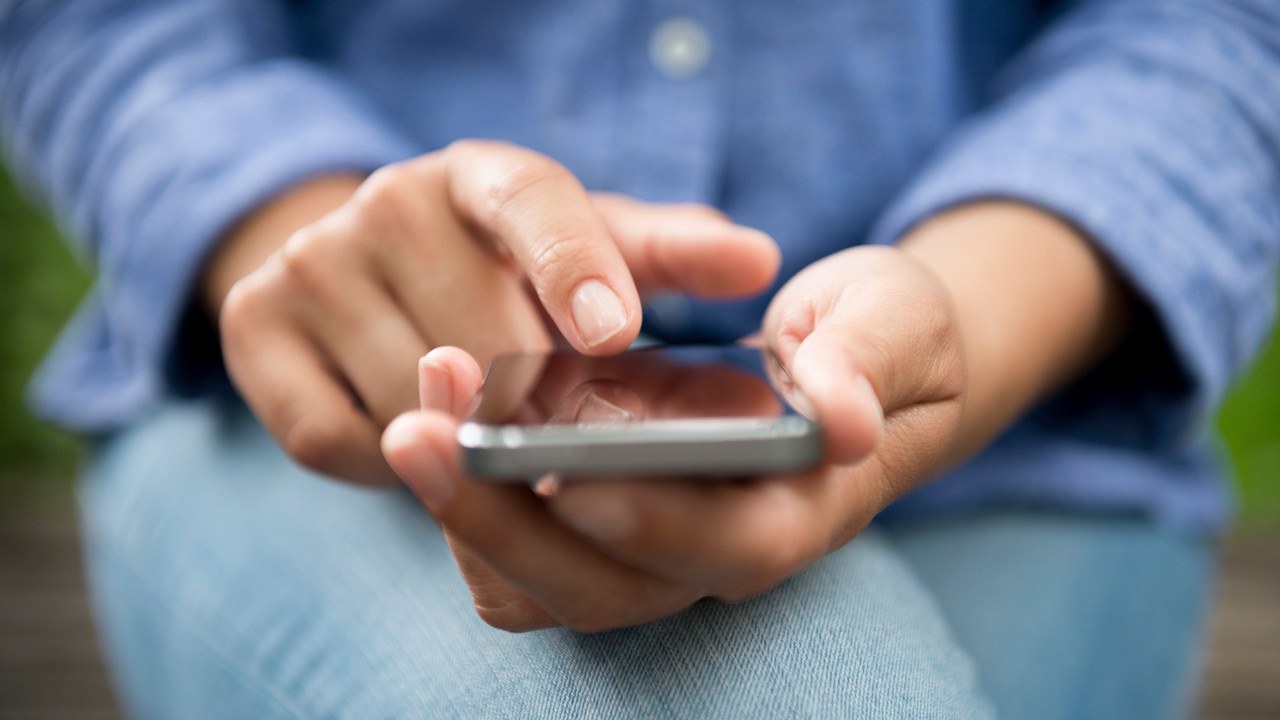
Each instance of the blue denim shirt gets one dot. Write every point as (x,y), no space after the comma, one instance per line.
(1153,126)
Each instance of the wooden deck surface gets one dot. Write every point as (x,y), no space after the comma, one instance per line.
(50,667)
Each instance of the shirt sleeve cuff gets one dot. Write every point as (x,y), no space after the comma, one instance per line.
(193,169)
(1123,190)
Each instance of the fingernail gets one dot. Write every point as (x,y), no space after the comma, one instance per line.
(864,394)
(548,486)
(790,390)
(597,312)
(433,386)
(799,401)
(601,513)
(418,465)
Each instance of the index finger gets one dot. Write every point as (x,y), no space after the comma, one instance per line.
(537,210)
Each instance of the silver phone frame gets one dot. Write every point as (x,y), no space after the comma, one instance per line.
(711,447)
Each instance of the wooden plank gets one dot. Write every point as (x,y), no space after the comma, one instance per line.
(1242,673)
(50,662)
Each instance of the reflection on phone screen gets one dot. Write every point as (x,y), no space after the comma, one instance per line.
(660,383)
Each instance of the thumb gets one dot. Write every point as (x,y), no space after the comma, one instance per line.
(448,380)
(870,332)
(688,248)
(836,377)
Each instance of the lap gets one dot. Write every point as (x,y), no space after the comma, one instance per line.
(229,582)
(1068,616)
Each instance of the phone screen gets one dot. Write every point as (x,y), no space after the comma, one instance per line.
(687,411)
(661,385)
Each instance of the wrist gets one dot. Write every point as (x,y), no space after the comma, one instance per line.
(1036,306)
(264,230)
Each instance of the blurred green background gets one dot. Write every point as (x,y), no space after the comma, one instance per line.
(40,283)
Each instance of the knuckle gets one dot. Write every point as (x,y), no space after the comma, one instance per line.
(245,310)
(530,174)
(386,182)
(316,444)
(303,259)
(664,258)
(386,203)
(556,258)
(240,305)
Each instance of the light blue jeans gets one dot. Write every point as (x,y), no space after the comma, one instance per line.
(228,583)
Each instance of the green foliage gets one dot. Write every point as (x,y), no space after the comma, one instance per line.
(40,283)
(1250,425)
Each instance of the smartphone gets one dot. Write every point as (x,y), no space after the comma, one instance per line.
(706,411)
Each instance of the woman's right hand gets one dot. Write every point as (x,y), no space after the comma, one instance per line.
(483,245)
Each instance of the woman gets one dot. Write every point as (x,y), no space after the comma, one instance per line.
(1013,251)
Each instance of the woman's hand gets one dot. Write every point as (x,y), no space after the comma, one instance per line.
(911,358)
(484,246)
(869,335)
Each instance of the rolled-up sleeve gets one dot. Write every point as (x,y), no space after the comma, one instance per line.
(1153,126)
(151,127)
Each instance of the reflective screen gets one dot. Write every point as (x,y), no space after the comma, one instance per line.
(661,383)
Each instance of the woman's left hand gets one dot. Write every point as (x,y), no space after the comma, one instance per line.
(870,337)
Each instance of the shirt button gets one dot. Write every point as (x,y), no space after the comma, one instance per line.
(680,48)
